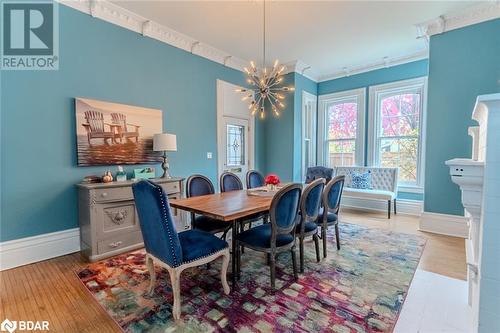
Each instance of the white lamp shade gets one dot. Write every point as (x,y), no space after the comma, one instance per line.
(165,142)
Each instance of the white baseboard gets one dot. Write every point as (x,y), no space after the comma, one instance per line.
(444,224)
(408,207)
(28,250)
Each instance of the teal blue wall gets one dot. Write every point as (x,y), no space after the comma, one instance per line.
(278,137)
(463,64)
(281,135)
(102,61)
(385,75)
(380,76)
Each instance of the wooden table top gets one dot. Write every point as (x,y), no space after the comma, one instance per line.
(228,206)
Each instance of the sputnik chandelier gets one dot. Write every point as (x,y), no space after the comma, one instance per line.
(265,86)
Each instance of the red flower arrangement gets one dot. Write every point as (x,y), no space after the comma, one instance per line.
(272,179)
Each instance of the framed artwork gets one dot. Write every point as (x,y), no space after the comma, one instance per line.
(111,133)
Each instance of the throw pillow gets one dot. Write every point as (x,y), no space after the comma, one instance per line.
(361,180)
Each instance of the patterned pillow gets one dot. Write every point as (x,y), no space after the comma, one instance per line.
(361,180)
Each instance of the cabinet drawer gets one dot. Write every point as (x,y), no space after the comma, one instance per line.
(119,242)
(117,217)
(113,194)
(171,187)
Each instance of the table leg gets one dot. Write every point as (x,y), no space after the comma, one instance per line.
(233,254)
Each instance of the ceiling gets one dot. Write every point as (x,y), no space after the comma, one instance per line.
(329,36)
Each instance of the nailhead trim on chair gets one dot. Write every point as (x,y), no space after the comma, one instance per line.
(206,255)
(164,210)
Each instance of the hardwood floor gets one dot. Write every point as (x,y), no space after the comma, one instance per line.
(49,290)
(442,255)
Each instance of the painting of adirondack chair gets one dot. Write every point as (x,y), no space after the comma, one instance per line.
(123,130)
(96,127)
(115,134)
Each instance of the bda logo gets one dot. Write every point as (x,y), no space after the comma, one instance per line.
(8,325)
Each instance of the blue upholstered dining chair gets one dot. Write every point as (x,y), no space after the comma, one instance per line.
(168,249)
(230,182)
(319,172)
(198,185)
(254,179)
(329,213)
(277,236)
(310,203)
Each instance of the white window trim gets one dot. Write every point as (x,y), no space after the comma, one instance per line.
(323,100)
(309,98)
(373,124)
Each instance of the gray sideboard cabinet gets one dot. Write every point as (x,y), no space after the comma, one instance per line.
(109,224)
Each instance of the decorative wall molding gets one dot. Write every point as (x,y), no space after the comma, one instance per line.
(302,68)
(444,224)
(406,207)
(459,19)
(115,14)
(28,250)
(382,63)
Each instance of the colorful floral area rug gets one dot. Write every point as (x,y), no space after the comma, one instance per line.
(360,288)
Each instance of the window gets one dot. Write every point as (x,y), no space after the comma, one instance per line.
(341,129)
(396,118)
(308,131)
(235,145)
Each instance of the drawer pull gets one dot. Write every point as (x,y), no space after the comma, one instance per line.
(104,194)
(117,217)
(115,244)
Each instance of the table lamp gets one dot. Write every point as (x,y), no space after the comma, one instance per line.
(165,142)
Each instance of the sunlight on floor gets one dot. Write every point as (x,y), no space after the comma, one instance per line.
(435,303)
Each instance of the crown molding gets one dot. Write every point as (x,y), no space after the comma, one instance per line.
(459,19)
(301,68)
(109,12)
(383,63)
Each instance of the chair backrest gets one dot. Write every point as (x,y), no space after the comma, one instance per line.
(254,179)
(197,185)
(230,182)
(157,225)
(119,119)
(310,202)
(316,172)
(284,211)
(333,194)
(385,179)
(95,119)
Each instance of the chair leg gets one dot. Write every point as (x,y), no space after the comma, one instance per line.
(294,263)
(395,207)
(152,274)
(242,228)
(316,245)
(323,235)
(388,209)
(175,277)
(223,274)
(238,261)
(301,254)
(272,266)
(337,236)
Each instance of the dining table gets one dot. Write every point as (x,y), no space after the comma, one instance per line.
(231,207)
